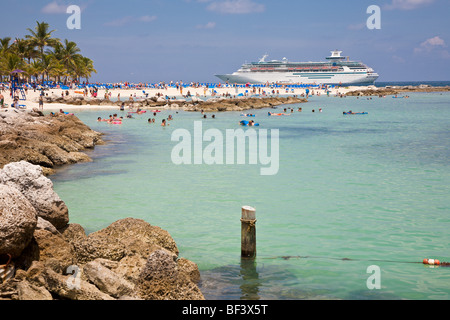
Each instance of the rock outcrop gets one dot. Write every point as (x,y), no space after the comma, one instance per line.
(395,90)
(38,189)
(18,221)
(219,104)
(48,141)
(130,259)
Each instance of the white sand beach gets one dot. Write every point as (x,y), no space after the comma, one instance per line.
(32,100)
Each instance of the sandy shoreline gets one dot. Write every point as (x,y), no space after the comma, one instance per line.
(32,100)
(125,94)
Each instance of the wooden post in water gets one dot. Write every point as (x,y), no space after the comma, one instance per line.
(248,232)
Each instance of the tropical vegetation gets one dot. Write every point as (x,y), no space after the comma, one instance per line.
(41,57)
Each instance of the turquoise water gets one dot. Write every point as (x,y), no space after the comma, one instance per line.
(370,188)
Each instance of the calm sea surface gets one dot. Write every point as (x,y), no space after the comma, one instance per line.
(373,188)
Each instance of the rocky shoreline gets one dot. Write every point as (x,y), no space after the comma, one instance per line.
(194,105)
(43,257)
(396,90)
(48,141)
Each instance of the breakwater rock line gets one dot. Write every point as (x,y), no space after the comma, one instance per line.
(49,141)
(195,104)
(43,257)
(396,90)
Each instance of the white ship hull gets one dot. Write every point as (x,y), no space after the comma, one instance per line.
(335,71)
(302,78)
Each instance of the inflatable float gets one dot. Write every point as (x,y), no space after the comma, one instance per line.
(270,114)
(353,113)
(247,124)
(248,115)
(140,112)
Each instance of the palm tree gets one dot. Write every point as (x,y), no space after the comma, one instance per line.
(48,63)
(58,70)
(41,37)
(4,44)
(10,63)
(39,54)
(30,52)
(69,55)
(89,68)
(21,48)
(84,68)
(34,69)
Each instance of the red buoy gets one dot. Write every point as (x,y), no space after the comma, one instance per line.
(431,262)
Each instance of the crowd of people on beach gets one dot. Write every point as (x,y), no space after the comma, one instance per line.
(91,89)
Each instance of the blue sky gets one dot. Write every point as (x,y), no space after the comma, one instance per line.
(191,40)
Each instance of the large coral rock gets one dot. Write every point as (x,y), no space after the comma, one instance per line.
(31,182)
(97,246)
(140,237)
(54,246)
(47,141)
(18,220)
(161,279)
(69,287)
(28,291)
(106,280)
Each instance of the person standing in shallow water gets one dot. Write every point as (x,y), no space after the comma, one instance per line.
(41,103)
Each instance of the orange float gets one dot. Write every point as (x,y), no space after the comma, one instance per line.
(431,262)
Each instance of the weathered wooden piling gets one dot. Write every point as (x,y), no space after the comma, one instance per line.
(248,232)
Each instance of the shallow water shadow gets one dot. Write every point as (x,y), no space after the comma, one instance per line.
(250,276)
(253,281)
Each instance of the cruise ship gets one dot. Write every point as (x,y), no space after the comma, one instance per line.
(337,70)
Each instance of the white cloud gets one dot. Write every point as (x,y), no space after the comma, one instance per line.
(54,7)
(59,7)
(236,6)
(407,4)
(435,45)
(430,44)
(209,25)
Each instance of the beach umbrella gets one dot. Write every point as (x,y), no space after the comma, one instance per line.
(17,71)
